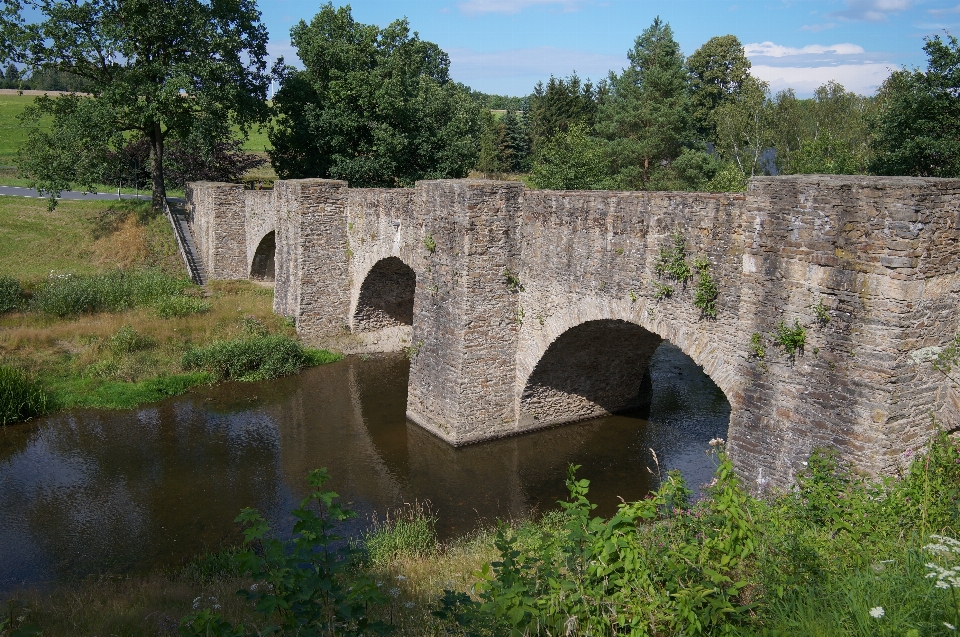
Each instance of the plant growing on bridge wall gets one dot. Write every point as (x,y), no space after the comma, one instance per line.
(821,313)
(756,345)
(429,243)
(662,291)
(706,292)
(512,280)
(791,339)
(672,260)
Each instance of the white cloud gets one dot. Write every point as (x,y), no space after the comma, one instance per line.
(859,78)
(479,7)
(769,49)
(872,10)
(955,9)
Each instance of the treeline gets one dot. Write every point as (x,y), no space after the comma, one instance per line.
(703,122)
(43,80)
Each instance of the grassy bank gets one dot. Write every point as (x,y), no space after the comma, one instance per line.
(838,555)
(95,308)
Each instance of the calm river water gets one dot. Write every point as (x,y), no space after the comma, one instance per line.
(91,491)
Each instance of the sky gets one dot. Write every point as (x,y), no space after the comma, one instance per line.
(506,46)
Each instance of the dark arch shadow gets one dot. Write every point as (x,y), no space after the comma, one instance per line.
(264,263)
(593,369)
(386,296)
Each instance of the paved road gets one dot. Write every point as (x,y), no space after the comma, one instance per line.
(16,191)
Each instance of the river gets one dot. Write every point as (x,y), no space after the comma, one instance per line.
(87,492)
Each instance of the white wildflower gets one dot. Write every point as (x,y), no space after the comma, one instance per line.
(408,604)
(196,603)
(950,626)
(877,612)
(401,578)
(394,592)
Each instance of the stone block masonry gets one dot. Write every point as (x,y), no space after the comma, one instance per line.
(523,309)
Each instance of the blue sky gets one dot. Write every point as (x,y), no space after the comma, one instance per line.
(506,46)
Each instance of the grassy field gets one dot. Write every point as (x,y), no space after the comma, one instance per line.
(116,358)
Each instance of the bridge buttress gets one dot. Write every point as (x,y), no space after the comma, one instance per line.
(465,323)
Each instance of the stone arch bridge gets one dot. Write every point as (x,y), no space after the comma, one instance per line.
(522,309)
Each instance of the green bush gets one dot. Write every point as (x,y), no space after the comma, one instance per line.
(11,294)
(20,397)
(309,585)
(254,358)
(179,305)
(792,340)
(127,340)
(69,294)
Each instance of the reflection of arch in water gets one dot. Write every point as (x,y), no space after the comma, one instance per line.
(591,361)
(386,296)
(263,267)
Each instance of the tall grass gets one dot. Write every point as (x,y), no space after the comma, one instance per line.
(11,294)
(65,295)
(258,357)
(20,397)
(409,531)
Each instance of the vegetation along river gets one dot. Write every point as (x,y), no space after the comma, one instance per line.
(86,492)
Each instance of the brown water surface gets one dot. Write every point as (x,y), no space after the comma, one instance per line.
(93,491)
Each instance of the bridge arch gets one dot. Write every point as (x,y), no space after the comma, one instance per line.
(263,264)
(385,296)
(591,359)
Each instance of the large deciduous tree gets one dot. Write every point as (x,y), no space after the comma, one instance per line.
(646,114)
(718,71)
(916,130)
(373,106)
(152,67)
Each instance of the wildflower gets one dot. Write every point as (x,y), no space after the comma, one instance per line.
(950,626)
(196,603)
(401,578)
(877,612)
(394,592)
(408,604)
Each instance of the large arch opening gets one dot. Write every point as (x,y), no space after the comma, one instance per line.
(593,369)
(386,296)
(263,267)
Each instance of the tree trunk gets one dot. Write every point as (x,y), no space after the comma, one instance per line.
(156,168)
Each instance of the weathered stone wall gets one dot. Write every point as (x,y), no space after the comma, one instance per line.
(531,308)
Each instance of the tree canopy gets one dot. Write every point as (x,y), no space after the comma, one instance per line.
(916,130)
(153,68)
(373,106)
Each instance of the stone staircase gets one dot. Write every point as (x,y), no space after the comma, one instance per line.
(177,214)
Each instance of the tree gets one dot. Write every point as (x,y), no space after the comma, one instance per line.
(561,104)
(373,106)
(517,140)
(495,154)
(570,160)
(916,130)
(744,127)
(153,68)
(718,70)
(647,113)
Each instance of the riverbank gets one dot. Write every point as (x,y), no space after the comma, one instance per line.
(840,555)
(100,315)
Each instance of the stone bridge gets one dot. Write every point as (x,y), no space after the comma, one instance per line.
(522,309)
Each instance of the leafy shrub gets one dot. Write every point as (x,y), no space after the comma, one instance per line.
(254,358)
(179,306)
(69,294)
(20,397)
(11,294)
(672,260)
(309,585)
